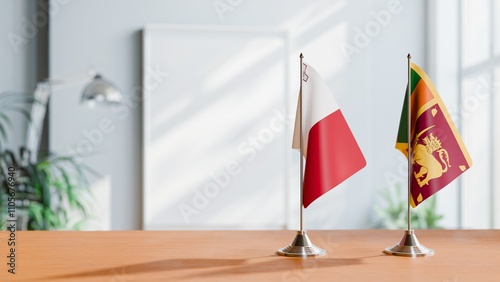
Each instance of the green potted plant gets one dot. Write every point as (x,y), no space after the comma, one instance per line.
(49,193)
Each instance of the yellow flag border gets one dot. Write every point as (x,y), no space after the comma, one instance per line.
(447,116)
(403,147)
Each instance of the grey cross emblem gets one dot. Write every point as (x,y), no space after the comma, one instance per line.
(305,77)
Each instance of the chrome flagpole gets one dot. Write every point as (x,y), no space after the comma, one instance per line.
(301,245)
(409,245)
(301,156)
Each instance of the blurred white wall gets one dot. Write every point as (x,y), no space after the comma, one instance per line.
(359,47)
(18,58)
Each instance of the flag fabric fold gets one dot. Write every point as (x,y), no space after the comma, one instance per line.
(330,150)
(438,155)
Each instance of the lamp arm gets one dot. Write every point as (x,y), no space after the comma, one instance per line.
(38,111)
(97,88)
(57,83)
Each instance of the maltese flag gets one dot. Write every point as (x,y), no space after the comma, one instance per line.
(329,148)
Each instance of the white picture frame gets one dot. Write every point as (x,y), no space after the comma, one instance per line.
(216,130)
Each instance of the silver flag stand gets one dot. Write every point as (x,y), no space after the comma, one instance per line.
(301,245)
(409,245)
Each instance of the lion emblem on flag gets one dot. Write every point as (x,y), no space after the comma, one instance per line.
(424,155)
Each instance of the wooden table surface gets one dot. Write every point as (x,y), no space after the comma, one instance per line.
(353,255)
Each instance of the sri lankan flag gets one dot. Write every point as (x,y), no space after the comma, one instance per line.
(437,151)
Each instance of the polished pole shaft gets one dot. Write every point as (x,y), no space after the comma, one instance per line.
(409,245)
(409,140)
(301,156)
(301,245)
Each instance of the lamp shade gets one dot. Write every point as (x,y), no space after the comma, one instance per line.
(101,90)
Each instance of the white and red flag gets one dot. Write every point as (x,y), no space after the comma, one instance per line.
(330,150)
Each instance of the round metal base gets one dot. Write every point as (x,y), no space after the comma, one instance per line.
(409,247)
(301,247)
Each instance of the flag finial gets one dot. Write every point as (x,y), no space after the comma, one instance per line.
(409,56)
(301,56)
